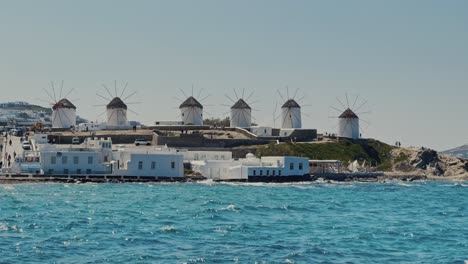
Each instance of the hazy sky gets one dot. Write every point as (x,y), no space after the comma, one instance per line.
(409,59)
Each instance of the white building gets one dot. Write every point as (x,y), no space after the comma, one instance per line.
(241,114)
(148,163)
(190,156)
(291,115)
(93,157)
(191,112)
(262,131)
(63,114)
(254,169)
(348,125)
(325,166)
(96,157)
(117,113)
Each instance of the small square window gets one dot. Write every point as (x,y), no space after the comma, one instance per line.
(173,165)
(153,165)
(140,165)
(88,171)
(291,166)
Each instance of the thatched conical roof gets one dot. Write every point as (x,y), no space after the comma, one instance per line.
(241,104)
(291,103)
(191,102)
(116,103)
(64,103)
(348,113)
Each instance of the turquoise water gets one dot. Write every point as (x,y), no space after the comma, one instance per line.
(224,223)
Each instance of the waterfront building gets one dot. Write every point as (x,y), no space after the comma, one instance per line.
(254,169)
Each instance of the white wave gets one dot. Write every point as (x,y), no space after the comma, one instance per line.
(231,208)
(168,228)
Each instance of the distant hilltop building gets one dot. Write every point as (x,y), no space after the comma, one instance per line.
(291,115)
(348,125)
(241,114)
(191,112)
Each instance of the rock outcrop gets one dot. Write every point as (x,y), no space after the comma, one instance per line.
(427,162)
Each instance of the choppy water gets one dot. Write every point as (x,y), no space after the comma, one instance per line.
(222,223)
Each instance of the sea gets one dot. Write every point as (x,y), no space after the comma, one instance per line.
(318,222)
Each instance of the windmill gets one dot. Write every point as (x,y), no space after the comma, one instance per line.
(291,116)
(116,109)
(191,110)
(63,111)
(348,116)
(240,111)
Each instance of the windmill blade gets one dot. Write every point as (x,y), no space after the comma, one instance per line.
(132,94)
(53,89)
(363,104)
(295,93)
(61,90)
(134,103)
(107,89)
(237,97)
(177,99)
(69,92)
(200,92)
(347,99)
(280,95)
(115,88)
(364,113)
(183,93)
(243,92)
(133,111)
(123,91)
(44,101)
(341,103)
(336,109)
(365,121)
(103,97)
(355,101)
(51,97)
(204,98)
(250,95)
(287,92)
(102,113)
(230,99)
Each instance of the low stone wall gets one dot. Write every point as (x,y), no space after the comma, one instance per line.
(199,141)
(116,139)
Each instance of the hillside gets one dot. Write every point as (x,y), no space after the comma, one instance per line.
(381,156)
(374,152)
(34,108)
(460,152)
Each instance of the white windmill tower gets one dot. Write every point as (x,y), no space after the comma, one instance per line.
(63,111)
(241,114)
(348,125)
(63,114)
(291,111)
(116,109)
(348,118)
(291,114)
(240,111)
(191,111)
